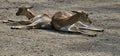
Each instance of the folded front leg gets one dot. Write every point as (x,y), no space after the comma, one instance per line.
(75,29)
(86,27)
(69,28)
(80,24)
(91,28)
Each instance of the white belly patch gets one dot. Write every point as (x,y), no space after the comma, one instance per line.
(36,18)
(69,28)
(65,28)
(40,19)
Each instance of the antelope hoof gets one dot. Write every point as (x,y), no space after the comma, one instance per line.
(100,31)
(14,27)
(5,21)
(10,20)
(92,35)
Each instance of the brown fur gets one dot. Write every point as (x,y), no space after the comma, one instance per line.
(61,19)
(25,11)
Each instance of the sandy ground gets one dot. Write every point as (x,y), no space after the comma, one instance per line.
(105,14)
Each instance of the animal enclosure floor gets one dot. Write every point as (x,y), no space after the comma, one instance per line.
(104,14)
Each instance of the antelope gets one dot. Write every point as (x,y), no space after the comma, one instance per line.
(62,21)
(65,21)
(37,21)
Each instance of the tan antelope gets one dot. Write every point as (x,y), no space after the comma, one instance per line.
(37,21)
(62,21)
(65,21)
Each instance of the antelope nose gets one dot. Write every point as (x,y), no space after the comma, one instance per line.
(17,14)
(90,22)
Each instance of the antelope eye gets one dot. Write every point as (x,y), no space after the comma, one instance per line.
(20,9)
(86,15)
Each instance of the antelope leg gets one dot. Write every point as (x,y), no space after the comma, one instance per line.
(6,21)
(91,28)
(80,24)
(18,27)
(9,20)
(24,26)
(70,29)
(86,27)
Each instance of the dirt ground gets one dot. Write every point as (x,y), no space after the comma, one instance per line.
(105,14)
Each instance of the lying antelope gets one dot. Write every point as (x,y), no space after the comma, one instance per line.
(37,21)
(65,21)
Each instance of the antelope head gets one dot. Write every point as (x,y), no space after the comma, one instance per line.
(23,10)
(83,16)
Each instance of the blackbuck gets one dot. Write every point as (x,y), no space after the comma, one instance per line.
(37,21)
(65,21)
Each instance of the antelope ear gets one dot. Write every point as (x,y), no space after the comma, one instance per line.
(46,15)
(26,6)
(30,7)
(90,13)
(75,11)
(82,11)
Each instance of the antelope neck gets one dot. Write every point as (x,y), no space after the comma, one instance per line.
(30,15)
(73,19)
